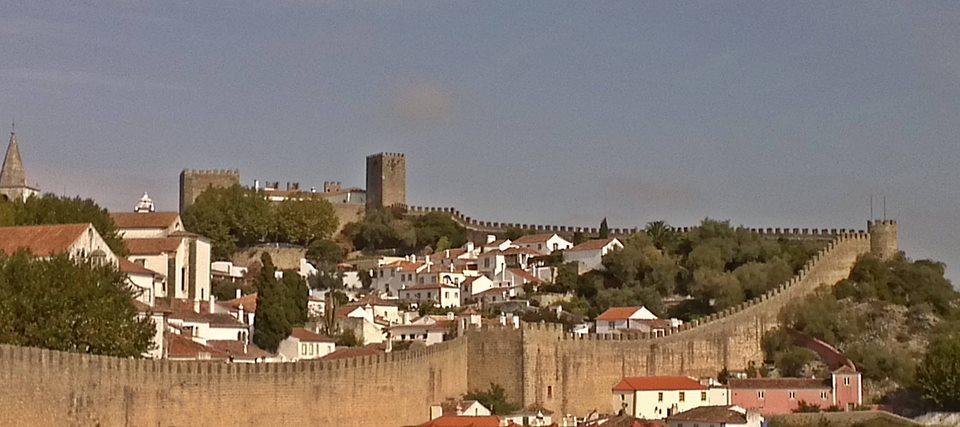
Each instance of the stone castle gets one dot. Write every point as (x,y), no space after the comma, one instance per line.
(537,363)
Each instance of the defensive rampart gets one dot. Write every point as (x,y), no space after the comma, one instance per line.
(535,364)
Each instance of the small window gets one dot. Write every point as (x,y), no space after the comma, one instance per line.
(760,394)
(660,397)
(682,396)
(549,392)
(703,396)
(846,380)
(823,395)
(793,395)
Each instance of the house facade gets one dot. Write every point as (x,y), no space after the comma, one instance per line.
(659,397)
(772,396)
(589,255)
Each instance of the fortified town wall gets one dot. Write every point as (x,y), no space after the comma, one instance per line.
(538,363)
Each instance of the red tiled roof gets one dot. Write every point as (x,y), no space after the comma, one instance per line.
(349,352)
(429,286)
(520,251)
(463,421)
(778,383)
(711,414)
(534,238)
(40,240)
(591,245)
(130,267)
(249,303)
(525,275)
(182,347)
(152,246)
(144,219)
(443,254)
(658,383)
(618,313)
(405,266)
(627,421)
(305,335)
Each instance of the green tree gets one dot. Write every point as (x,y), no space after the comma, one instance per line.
(51,209)
(271,324)
(297,295)
(432,227)
(938,376)
(324,253)
(382,229)
(304,220)
(495,399)
(233,218)
(60,304)
(604,231)
(660,233)
(443,244)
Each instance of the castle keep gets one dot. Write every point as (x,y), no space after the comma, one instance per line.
(386,180)
(537,363)
(193,182)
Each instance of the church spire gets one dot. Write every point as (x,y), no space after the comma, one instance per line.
(13,174)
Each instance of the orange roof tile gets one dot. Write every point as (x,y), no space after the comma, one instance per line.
(182,347)
(534,238)
(722,415)
(249,303)
(349,352)
(235,349)
(658,383)
(40,240)
(463,421)
(618,313)
(591,245)
(778,383)
(306,335)
(152,246)
(144,219)
(525,275)
(130,267)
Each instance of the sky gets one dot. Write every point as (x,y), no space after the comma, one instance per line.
(769,114)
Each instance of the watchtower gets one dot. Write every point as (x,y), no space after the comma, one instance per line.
(884,242)
(193,182)
(386,180)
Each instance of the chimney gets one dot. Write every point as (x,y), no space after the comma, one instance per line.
(446,253)
(240,315)
(389,346)
(450,315)
(196,306)
(211,303)
(256,185)
(470,247)
(491,238)
(239,294)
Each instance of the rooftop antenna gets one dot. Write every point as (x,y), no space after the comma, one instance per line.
(884,208)
(871,207)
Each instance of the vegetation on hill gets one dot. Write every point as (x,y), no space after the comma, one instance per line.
(237,217)
(390,229)
(708,269)
(60,304)
(51,209)
(883,317)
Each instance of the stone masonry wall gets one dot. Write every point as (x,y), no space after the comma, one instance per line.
(193,182)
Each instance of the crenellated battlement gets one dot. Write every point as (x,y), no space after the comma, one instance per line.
(231,172)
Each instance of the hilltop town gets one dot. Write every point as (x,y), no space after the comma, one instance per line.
(353,307)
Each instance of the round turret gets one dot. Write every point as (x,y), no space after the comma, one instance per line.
(884,242)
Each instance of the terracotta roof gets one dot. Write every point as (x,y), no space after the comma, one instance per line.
(429,286)
(142,307)
(463,421)
(347,309)
(658,383)
(144,219)
(349,352)
(235,350)
(520,251)
(454,253)
(711,414)
(778,383)
(375,300)
(525,275)
(249,303)
(591,245)
(152,246)
(181,347)
(130,267)
(40,240)
(535,238)
(627,421)
(405,266)
(306,335)
(618,313)
(498,290)
(495,243)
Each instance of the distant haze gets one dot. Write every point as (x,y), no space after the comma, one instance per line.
(775,114)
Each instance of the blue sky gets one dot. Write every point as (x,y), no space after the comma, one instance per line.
(764,113)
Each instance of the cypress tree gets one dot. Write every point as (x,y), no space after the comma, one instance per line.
(271,324)
(604,229)
(296,293)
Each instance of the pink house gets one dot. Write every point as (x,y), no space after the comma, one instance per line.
(772,396)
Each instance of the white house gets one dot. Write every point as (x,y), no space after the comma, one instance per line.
(390,278)
(78,241)
(144,280)
(146,225)
(303,344)
(655,398)
(492,244)
(183,258)
(532,416)
(716,416)
(462,408)
(589,255)
(428,330)
(545,244)
(440,294)
(632,319)
(492,263)
(472,286)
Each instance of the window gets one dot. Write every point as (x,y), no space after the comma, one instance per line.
(303,348)
(183,278)
(760,394)
(793,395)
(681,396)
(539,246)
(486,263)
(846,380)
(660,397)
(556,246)
(703,396)
(823,395)
(623,397)
(549,392)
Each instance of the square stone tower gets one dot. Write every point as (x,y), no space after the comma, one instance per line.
(193,182)
(386,180)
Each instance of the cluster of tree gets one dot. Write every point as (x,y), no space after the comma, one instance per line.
(718,265)
(391,229)
(881,317)
(61,304)
(494,399)
(281,305)
(238,217)
(51,209)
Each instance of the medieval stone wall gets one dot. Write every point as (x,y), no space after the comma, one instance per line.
(538,363)
(193,182)
(386,180)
